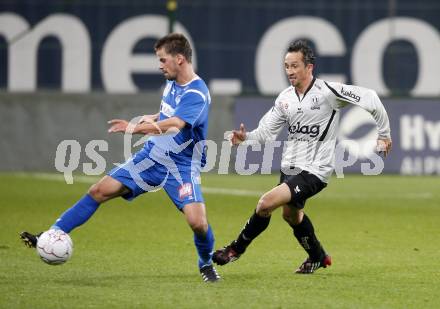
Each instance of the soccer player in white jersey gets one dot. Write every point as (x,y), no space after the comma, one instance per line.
(310,109)
(171,161)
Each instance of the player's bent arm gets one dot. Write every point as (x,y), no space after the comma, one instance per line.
(380,116)
(172,124)
(365,98)
(149,118)
(371,103)
(374,106)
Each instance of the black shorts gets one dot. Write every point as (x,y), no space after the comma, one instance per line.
(302,186)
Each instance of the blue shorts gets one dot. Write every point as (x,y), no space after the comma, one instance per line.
(141,174)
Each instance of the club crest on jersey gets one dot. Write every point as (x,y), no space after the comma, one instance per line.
(315,103)
(313,130)
(185,190)
(166,109)
(350,94)
(177,99)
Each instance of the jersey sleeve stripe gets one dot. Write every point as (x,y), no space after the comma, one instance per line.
(337,94)
(198,92)
(327,127)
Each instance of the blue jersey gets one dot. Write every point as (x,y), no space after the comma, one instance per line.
(190,103)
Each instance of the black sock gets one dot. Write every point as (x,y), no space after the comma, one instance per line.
(253,227)
(305,233)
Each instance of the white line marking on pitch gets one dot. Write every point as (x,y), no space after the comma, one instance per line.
(242,192)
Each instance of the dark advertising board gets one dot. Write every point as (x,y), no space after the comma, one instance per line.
(81,46)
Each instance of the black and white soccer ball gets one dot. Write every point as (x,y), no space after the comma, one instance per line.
(55,247)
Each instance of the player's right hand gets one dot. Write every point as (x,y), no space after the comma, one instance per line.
(384,146)
(117,125)
(238,136)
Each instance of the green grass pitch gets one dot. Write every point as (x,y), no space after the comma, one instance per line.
(382,232)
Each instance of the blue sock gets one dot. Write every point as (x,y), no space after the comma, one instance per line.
(77,214)
(204,245)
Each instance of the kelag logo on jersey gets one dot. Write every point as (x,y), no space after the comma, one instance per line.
(313,130)
(350,94)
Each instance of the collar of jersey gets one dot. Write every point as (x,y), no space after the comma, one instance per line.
(184,85)
(307,90)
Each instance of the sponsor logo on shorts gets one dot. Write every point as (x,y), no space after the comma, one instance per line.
(185,190)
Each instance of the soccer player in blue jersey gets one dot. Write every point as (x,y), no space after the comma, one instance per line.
(171,159)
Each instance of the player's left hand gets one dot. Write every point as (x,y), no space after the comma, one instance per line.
(238,136)
(149,118)
(117,125)
(384,146)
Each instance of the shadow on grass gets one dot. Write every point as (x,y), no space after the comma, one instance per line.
(128,279)
(291,276)
(182,278)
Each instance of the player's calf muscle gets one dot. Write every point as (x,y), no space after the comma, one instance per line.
(293,217)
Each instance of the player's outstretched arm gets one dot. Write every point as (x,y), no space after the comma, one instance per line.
(238,136)
(117,125)
(173,124)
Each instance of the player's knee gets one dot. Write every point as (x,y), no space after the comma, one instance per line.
(292,216)
(96,192)
(199,226)
(264,206)
(297,217)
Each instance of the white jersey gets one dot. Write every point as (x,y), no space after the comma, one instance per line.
(313,121)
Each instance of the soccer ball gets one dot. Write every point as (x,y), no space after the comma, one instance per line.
(54,247)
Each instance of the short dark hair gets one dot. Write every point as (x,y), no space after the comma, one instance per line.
(175,43)
(305,49)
